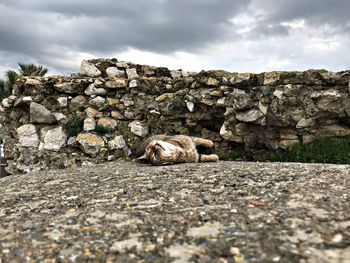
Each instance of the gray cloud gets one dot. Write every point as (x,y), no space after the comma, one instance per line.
(160,26)
(56,33)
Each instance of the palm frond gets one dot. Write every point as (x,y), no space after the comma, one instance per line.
(11,76)
(4,91)
(31,70)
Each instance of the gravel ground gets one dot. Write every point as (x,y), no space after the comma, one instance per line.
(207,212)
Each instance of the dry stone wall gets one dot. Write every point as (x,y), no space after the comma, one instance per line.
(117,104)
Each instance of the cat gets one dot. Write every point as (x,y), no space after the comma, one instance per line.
(163,149)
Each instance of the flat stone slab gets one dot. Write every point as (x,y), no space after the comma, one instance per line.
(206,212)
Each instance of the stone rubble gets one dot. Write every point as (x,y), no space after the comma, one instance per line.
(255,113)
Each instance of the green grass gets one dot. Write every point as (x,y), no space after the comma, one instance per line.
(75,126)
(101,129)
(329,150)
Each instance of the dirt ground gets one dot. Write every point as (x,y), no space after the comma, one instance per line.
(208,212)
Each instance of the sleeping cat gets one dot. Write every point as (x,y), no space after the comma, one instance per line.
(163,149)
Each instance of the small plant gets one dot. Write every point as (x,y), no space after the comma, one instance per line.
(7,84)
(101,129)
(329,150)
(32,70)
(75,126)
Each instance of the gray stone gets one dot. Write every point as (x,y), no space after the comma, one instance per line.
(117,143)
(90,143)
(137,128)
(221,101)
(33,82)
(239,78)
(107,122)
(89,124)
(278,93)
(127,100)
(185,74)
(263,107)
(27,136)
(190,106)
(132,73)
(89,69)
(63,101)
(39,114)
(305,123)
(65,87)
(27,99)
(133,83)
(59,116)
(92,113)
(79,100)
(122,64)
(271,78)
(116,83)
(148,70)
(114,72)
(71,140)
(98,102)
(92,90)
(110,158)
(212,82)
(228,135)
(241,99)
(55,139)
(5,103)
(175,74)
(249,116)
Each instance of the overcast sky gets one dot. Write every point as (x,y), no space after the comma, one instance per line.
(235,35)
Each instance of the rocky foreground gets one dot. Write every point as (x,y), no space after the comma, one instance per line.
(208,212)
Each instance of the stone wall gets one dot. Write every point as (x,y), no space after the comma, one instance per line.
(117,104)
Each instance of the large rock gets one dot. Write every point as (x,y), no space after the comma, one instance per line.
(92,113)
(55,139)
(62,101)
(39,114)
(65,87)
(107,122)
(239,99)
(239,78)
(249,116)
(228,135)
(90,143)
(89,69)
(92,90)
(116,83)
(117,143)
(114,72)
(98,101)
(27,136)
(305,123)
(137,128)
(132,73)
(89,124)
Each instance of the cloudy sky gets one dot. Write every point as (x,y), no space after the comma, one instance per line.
(235,35)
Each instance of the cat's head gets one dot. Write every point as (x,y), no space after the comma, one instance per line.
(159,152)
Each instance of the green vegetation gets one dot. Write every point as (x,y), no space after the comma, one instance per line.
(101,129)
(329,150)
(7,84)
(233,155)
(11,77)
(31,70)
(75,126)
